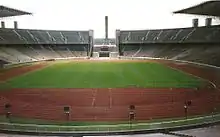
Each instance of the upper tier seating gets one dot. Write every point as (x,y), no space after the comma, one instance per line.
(181,35)
(25,36)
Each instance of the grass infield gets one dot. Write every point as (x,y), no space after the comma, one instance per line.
(105,75)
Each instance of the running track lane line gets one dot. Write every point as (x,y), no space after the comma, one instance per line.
(193,76)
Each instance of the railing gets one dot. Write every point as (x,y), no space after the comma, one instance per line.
(181,123)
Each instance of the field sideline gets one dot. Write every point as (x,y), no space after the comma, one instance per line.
(105,74)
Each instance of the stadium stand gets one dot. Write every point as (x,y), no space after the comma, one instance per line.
(198,44)
(27,45)
(23,45)
(182,35)
(208,54)
(21,53)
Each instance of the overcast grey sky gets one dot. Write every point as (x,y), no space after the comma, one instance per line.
(89,14)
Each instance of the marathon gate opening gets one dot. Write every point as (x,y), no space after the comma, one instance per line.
(103,54)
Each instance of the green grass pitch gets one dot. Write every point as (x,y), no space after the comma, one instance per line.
(105,75)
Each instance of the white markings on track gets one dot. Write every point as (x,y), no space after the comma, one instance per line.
(110,98)
(94,98)
(193,76)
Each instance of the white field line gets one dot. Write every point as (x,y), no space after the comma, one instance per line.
(193,75)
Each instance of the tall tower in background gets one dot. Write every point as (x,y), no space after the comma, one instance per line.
(106,28)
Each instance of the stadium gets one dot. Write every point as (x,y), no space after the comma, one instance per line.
(162,82)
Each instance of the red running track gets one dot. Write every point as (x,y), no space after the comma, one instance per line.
(107,104)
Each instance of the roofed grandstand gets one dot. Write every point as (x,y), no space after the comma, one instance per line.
(22,45)
(198,44)
(27,45)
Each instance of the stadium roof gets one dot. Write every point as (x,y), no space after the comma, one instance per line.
(8,12)
(208,8)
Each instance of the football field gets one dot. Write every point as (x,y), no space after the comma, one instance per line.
(105,74)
